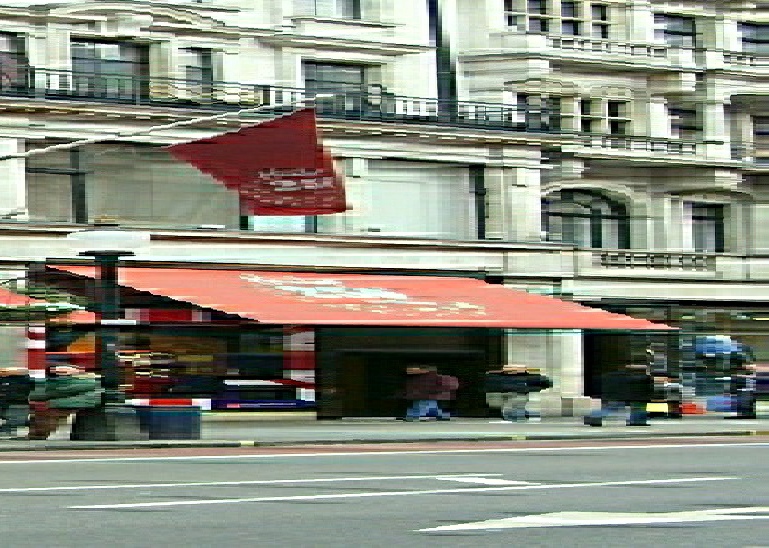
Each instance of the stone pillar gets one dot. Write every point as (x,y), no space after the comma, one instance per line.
(659,221)
(641,224)
(559,356)
(13,187)
(514,206)
(640,21)
(714,135)
(658,122)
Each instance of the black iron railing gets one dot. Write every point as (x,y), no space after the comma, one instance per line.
(379,106)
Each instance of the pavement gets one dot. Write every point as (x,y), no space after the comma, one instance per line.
(255,429)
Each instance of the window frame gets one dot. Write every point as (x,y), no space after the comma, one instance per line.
(591,201)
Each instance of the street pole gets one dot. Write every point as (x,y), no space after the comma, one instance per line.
(108,299)
(105,244)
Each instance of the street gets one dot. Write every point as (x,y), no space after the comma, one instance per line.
(692,492)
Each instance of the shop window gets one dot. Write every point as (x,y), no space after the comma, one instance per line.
(13,62)
(337,9)
(675,30)
(586,219)
(110,70)
(707,226)
(754,38)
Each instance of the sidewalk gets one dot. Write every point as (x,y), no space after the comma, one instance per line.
(286,429)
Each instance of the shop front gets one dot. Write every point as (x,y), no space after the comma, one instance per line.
(336,342)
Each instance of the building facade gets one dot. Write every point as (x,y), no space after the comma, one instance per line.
(612,152)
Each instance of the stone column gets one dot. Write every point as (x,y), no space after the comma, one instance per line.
(658,123)
(640,21)
(559,356)
(514,203)
(13,184)
(714,135)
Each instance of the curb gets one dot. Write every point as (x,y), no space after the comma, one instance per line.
(65,445)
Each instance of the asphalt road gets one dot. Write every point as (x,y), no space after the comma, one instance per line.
(693,492)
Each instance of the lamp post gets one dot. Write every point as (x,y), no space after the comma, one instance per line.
(106,243)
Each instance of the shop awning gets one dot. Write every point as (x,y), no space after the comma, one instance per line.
(294,298)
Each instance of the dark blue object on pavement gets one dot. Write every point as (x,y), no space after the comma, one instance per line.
(170,422)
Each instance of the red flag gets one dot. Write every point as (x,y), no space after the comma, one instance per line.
(278,167)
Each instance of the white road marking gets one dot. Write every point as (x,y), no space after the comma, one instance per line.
(391,493)
(387,453)
(584,519)
(482,480)
(454,477)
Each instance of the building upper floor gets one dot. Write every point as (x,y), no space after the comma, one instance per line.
(231,55)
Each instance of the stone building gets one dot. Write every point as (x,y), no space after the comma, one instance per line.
(610,152)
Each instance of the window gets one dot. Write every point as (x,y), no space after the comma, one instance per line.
(685,123)
(13,61)
(586,219)
(118,70)
(599,21)
(541,112)
(346,82)
(537,11)
(338,9)
(755,38)
(570,24)
(198,71)
(589,115)
(675,30)
(707,226)
(619,117)
(761,139)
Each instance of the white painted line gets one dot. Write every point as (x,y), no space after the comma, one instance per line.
(391,493)
(454,477)
(378,453)
(483,481)
(584,519)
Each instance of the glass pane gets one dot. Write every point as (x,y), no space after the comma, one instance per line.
(600,31)
(568,9)
(599,12)
(570,28)
(537,6)
(537,25)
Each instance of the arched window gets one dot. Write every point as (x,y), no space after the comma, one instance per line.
(586,219)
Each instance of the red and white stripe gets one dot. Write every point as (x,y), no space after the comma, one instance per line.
(36,351)
(203,403)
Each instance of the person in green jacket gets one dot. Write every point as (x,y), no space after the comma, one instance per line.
(66,390)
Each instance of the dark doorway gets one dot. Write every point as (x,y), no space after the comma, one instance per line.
(370,383)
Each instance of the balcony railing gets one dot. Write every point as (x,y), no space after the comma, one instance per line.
(598,45)
(655,260)
(379,106)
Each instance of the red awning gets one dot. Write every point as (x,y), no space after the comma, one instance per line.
(293,298)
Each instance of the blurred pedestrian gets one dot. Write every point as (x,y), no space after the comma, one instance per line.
(15,386)
(66,390)
(508,390)
(631,387)
(424,388)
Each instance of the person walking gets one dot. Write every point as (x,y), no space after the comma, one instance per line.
(424,387)
(15,386)
(631,387)
(508,390)
(66,390)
